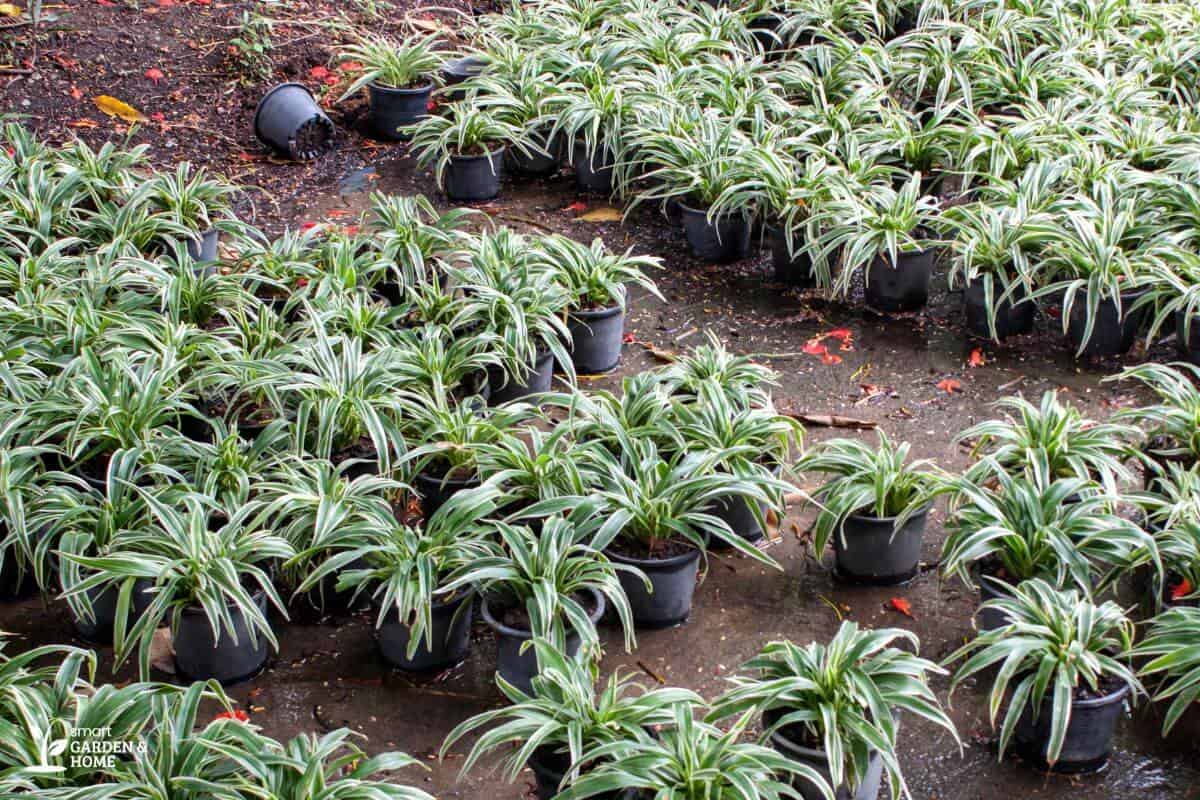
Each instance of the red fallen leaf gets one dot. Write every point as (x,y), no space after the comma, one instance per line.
(158,116)
(335,213)
(76,93)
(1181,589)
(165,3)
(977,359)
(202,2)
(155,74)
(431,106)
(813,347)
(307,226)
(830,358)
(350,230)
(950,386)
(578,207)
(902,606)
(350,66)
(319,73)
(628,339)
(244,156)
(237,715)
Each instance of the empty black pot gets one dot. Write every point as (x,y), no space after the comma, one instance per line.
(794,270)
(473,179)
(199,656)
(593,171)
(784,743)
(596,338)
(1089,734)
(904,287)
(289,120)
(673,584)
(1113,333)
(1011,319)
(451,638)
(1189,344)
(517,667)
(718,241)
(393,111)
(458,70)
(435,490)
(537,382)
(875,552)
(204,246)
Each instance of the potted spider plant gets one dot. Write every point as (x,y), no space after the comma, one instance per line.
(1069,659)
(25,563)
(693,760)
(887,232)
(658,521)
(1036,526)
(1174,292)
(591,119)
(695,167)
(466,145)
(1172,425)
(196,203)
(399,77)
(413,238)
(990,250)
(873,505)
(752,445)
(206,566)
(551,585)
(419,625)
(598,282)
(521,96)
(1170,649)
(834,707)
(1070,445)
(740,377)
(563,717)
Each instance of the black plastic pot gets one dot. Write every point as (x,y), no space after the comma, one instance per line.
(739,516)
(794,270)
(549,768)
(204,246)
(1189,345)
(819,761)
(1113,333)
(198,656)
(517,667)
(990,588)
(537,382)
(473,179)
(289,120)
(596,339)
(451,638)
(1089,734)
(877,554)
(594,172)
(458,70)
(99,629)
(535,163)
(719,241)
(1011,319)
(904,287)
(15,583)
(435,490)
(395,110)
(673,584)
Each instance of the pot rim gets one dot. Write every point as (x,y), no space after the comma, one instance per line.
(869,518)
(598,313)
(258,596)
(414,90)
(436,605)
(1115,696)
(489,155)
(271,93)
(505,630)
(731,215)
(674,561)
(444,481)
(464,63)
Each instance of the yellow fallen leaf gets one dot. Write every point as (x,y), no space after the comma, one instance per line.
(602,214)
(118,108)
(9,10)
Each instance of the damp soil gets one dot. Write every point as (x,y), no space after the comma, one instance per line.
(909,374)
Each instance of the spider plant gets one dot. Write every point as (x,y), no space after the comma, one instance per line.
(877,482)
(190,199)
(1054,641)
(740,377)
(694,166)
(1172,425)
(199,558)
(1174,295)
(1055,433)
(565,716)
(535,466)
(463,130)
(24,549)
(693,760)
(1034,525)
(435,362)
(391,64)
(840,698)
(593,276)
(446,438)
(232,467)
(107,173)
(412,237)
(1170,646)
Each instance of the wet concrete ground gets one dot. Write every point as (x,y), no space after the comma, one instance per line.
(328,675)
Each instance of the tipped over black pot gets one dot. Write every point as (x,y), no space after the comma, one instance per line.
(903,287)
(717,241)
(673,584)
(393,111)
(451,637)
(474,179)
(875,552)
(199,656)
(596,339)
(289,120)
